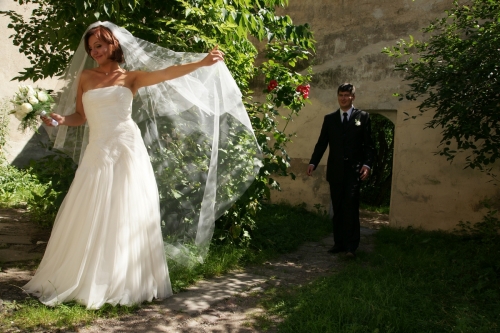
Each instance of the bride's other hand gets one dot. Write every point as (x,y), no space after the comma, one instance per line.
(47,120)
(215,55)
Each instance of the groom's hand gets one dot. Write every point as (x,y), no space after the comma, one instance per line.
(364,172)
(310,169)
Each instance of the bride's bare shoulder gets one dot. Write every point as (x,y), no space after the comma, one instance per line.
(132,73)
(131,76)
(89,71)
(88,77)
(86,73)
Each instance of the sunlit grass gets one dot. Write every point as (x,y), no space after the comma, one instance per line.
(31,314)
(376,209)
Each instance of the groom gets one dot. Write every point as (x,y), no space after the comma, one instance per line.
(348,133)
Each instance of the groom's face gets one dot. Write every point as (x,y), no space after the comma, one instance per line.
(345,100)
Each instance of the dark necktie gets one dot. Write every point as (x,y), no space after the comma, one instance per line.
(344,134)
(345,122)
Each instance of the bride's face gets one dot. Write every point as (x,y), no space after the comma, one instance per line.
(100,51)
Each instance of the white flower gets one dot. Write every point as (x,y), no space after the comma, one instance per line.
(32,99)
(19,99)
(19,116)
(25,109)
(31,91)
(26,90)
(42,96)
(357,122)
(23,89)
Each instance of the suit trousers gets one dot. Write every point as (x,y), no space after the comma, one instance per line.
(345,204)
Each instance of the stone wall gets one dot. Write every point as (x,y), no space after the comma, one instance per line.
(427,191)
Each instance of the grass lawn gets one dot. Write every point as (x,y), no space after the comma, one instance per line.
(414,281)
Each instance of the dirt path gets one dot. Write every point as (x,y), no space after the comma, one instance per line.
(224,304)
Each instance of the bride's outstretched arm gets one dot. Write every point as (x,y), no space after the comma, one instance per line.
(143,79)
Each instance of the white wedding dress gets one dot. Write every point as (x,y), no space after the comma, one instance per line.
(106,244)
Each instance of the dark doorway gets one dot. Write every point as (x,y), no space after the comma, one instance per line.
(376,191)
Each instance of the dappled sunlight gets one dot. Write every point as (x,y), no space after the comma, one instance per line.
(373,220)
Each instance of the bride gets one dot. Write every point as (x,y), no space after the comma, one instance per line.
(106,245)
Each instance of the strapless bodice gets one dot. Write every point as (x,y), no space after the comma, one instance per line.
(108,111)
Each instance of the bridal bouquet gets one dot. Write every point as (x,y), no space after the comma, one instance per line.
(28,104)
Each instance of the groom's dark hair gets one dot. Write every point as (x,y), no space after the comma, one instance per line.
(104,34)
(347,87)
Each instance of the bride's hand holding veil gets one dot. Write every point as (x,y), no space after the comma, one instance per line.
(215,55)
(141,79)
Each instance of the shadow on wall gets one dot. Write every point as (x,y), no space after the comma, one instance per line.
(34,149)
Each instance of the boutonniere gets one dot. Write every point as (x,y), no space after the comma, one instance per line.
(357,122)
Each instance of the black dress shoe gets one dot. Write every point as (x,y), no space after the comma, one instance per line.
(336,249)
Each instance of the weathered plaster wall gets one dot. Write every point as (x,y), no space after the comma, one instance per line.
(13,62)
(427,191)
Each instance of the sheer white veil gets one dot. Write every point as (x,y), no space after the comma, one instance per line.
(197,132)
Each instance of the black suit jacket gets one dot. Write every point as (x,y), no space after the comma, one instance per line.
(353,151)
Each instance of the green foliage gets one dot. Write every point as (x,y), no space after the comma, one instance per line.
(40,188)
(55,27)
(486,233)
(55,172)
(185,153)
(376,191)
(455,74)
(414,281)
(4,127)
(17,187)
